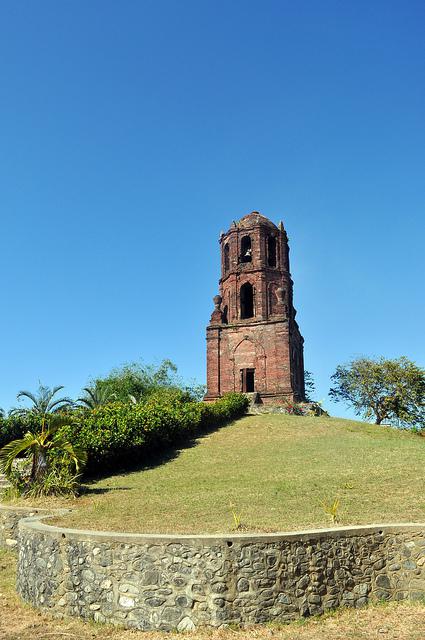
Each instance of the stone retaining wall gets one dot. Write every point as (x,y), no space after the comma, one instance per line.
(167,582)
(9,518)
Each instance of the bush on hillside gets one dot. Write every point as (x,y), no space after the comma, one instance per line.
(230,406)
(117,434)
(15,426)
(304,409)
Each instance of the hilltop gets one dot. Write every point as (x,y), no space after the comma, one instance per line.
(271,472)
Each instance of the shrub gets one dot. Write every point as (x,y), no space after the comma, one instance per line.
(304,409)
(118,434)
(15,426)
(296,409)
(231,405)
(51,464)
(59,480)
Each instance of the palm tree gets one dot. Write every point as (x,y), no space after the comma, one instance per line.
(41,445)
(96,396)
(43,404)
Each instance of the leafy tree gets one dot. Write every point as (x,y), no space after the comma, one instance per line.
(309,385)
(135,379)
(96,396)
(392,390)
(194,390)
(134,382)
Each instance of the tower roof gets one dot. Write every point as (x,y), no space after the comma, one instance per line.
(254,219)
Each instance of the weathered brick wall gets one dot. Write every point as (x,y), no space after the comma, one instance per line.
(166,582)
(263,346)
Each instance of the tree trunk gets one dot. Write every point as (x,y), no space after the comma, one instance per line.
(39,465)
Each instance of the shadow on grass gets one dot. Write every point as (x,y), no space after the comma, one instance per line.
(151,459)
(87,490)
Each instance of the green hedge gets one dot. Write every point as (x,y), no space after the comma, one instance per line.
(120,434)
(16,426)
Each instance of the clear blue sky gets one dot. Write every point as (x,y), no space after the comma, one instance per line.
(132,132)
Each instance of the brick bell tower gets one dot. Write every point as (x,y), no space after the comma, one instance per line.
(253,340)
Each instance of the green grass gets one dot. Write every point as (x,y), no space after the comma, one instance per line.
(273,472)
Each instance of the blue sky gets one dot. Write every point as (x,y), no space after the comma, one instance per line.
(131,133)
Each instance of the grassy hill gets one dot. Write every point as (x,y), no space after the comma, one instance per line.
(273,471)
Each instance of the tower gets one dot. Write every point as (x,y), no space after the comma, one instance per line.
(253,339)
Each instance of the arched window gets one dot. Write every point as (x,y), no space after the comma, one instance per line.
(226,258)
(247,301)
(246,249)
(271,251)
(224,315)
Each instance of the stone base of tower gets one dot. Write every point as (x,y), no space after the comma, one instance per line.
(263,399)
(262,357)
(277,399)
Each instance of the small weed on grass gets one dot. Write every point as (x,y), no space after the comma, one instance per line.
(332,510)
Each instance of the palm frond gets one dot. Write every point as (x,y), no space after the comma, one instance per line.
(86,402)
(11,450)
(76,455)
(92,393)
(43,401)
(96,397)
(19,411)
(57,420)
(63,402)
(56,389)
(28,394)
